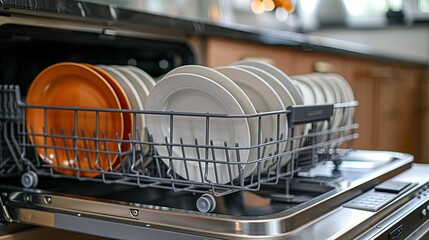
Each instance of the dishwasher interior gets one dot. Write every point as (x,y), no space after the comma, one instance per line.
(318,186)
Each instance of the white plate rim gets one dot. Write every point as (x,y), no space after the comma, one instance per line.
(133,97)
(317,89)
(182,79)
(277,73)
(239,75)
(235,91)
(284,95)
(331,97)
(144,76)
(135,80)
(349,96)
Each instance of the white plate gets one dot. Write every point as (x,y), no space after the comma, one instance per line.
(135,80)
(146,78)
(349,96)
(338,118)
(135,101)
(320,98)
(265,99)
(309,99)
(277,73)
(237,93)
(307,92)
(284,95)
(194,93)
(319,94)
(330,97)
(281,90)
(326,88)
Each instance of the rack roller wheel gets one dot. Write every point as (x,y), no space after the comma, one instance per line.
(206,203)
(29,179)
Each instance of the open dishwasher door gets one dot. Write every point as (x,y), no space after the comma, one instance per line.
(342,196)
(329,202)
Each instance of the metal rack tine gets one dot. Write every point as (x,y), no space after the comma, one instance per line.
(220,166)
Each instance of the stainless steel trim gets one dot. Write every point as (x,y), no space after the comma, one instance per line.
(5,211)
(287,223)
(420,233)
(117,229)
(103,28)
(35,217)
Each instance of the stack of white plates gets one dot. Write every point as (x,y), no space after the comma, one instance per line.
(136,83)
(240,89)
(327,88)
(245,87)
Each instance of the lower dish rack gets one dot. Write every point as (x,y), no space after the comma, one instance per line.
(92,151)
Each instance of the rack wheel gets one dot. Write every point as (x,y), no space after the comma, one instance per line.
(29,179)
(337,163)
(206,203)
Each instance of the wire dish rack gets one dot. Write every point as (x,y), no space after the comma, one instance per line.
(216,168)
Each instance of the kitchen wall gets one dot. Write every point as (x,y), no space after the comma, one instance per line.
(408,43)
(335,19)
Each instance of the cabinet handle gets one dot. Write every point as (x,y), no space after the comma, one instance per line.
(323,67)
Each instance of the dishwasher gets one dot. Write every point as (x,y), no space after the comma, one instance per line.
(322,192)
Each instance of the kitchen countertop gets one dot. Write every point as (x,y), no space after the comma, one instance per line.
(109,15)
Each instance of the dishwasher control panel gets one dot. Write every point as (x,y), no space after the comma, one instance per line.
(378,197)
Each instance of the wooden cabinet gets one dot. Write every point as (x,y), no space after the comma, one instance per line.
(310,61)
(365,114)
(221,52)
(389,94)
(388,111)
(424,122)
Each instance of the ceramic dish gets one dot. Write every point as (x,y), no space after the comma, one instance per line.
(74,85)
(237,93)
(319,94)
(329,95)
(307,92)
(142,92)
(138,84)
(321,98)
(349,96)
(136,104)
(193,93)
(125,104)
(338,115)
(309,99)
(286,98)
(265,99)
(146,78)
(277,73)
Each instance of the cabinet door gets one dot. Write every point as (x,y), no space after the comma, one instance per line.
(364,89)
(221,52)
(398,111)
(307,62)
(388,117)
(423,140)
(387,112)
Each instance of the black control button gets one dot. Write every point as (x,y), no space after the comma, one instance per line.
(391,186)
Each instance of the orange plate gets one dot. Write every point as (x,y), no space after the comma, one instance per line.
(125,104)
(74,85)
